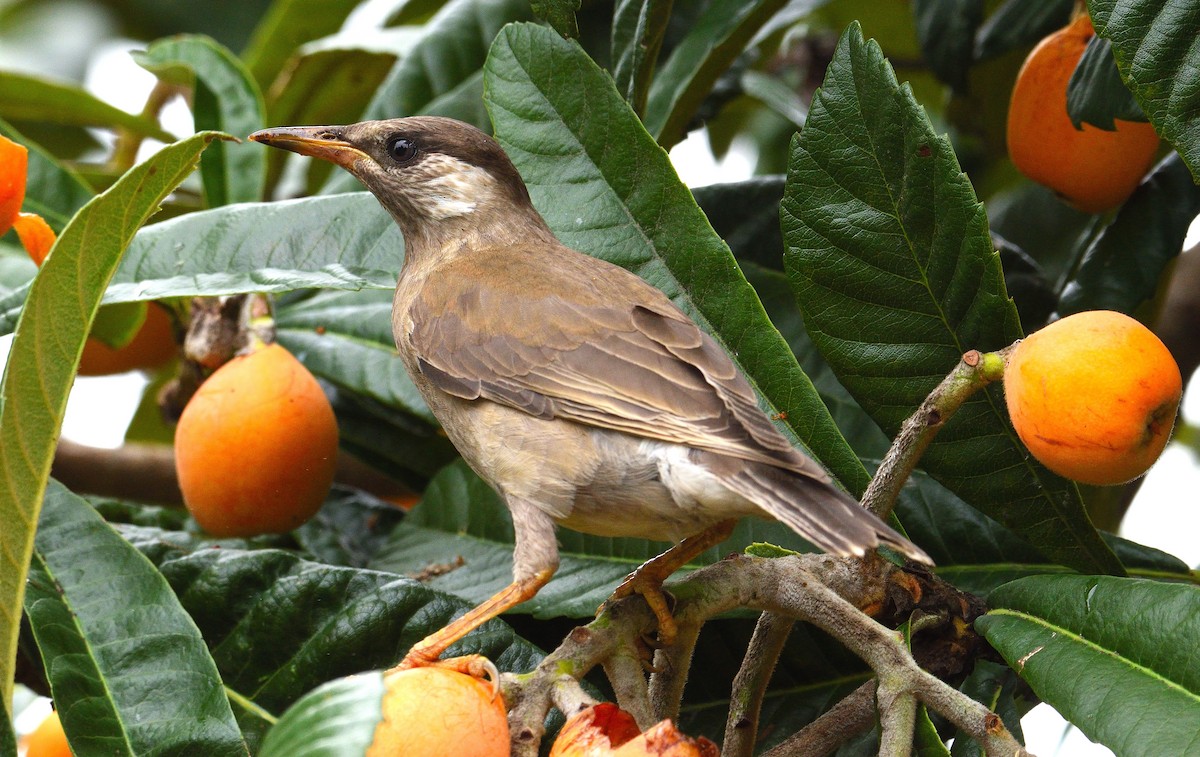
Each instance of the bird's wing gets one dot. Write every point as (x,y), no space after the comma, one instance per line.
(589,342)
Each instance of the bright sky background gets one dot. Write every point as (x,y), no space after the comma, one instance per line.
(100,408)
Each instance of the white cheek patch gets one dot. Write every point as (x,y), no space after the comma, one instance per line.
(448,187)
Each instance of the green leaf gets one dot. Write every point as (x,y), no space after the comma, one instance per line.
(1117,657)
(442,74)
(329,85)
(560,14)
(62,302)
(224,98)
(1020,23)
(776,95)
(349,528)
(608,190)
(946,30)
(116,325)
(25,97)
(1096,94)
(637,35)
(1122,266)
(346,338)
(279,626)
(315,242)
(889,256)
(52,190)
(746,215)
(129,672)
(1156,52)
(710,46)
(337,719)
(285,26)
(996,687)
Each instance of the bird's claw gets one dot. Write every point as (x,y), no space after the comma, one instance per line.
(474,665)
(661,604)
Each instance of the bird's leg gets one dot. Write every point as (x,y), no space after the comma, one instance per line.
(648,579)
(534,562)
(425,653)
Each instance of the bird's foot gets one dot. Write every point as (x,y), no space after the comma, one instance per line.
(474,665)
(650,586)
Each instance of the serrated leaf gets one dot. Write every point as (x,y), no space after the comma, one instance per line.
(1020,23)
(1095,94)
(349,528)
(746,215)
(224,98)
(1154,45)
(25,97)
(717,38)
(442,74)
(62,301)
(889,255)
(279,626)
(1122,266)
(946,31)
(1117,657)
(637,35)
(337,719)
(129,672)
(608,190)
(52,190)
(285,26)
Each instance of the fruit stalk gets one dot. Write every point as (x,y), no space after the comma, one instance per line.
(974,371)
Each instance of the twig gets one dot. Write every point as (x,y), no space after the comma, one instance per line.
(750,683)
(671,669)
(975,371)
(853,715)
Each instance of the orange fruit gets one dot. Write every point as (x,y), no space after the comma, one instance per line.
(35,234)
(1092,169)
(1093,396)
(153,346)
(434,712)
(256,446)
(14,159)
(48,739)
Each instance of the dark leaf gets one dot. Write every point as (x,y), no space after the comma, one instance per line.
(128,669)
(1155,48)
(1096,95)
(711,45)
(637,36)
(946,30)
(1020,23)
(891,261)
(1122,266)
(560,14)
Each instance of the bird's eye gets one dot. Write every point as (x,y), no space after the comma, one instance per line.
(401,149)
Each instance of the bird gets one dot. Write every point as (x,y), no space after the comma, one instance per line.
(577,390)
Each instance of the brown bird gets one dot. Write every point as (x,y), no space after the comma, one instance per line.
(577,390)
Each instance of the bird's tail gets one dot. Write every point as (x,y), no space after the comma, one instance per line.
(818,511)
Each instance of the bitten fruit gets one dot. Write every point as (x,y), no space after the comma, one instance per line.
(256,446)
(431,712)
(1093,396)
(605,730)
(1092,169)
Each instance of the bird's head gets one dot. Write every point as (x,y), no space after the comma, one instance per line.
(428,172)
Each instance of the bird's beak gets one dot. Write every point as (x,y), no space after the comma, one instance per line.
(324,142)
